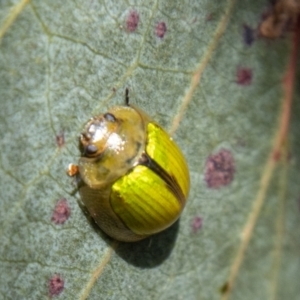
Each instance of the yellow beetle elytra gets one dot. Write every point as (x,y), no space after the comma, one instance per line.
(135,180)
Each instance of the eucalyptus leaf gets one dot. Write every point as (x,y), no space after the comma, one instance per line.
(199,69)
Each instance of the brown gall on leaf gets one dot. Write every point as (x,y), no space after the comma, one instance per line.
(244,76)
(161,29)
(197,224)
(224,289)
(61,212)
(60,139)
(73,170)
(276,155)
(282,17)
(219,169)
(56,285)
(132,21)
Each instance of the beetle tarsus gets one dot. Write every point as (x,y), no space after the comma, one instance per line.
(73,170)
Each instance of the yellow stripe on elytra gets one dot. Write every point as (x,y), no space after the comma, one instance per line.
(142,195)
(143,202)
(145,210)
(164,151)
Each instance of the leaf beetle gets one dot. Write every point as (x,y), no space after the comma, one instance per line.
(134,178)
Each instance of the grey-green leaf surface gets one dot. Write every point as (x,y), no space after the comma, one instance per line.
(62,62)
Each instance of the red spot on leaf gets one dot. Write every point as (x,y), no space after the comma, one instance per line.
(219,169)
(244,76)
(61,212)
(56,285)
(132,21)
(196,224)
(161,29)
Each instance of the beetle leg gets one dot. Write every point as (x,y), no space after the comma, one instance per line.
(73,170)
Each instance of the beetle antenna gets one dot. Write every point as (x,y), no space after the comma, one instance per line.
(127,97)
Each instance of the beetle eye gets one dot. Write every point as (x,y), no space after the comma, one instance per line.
(109,117)
(90,149)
